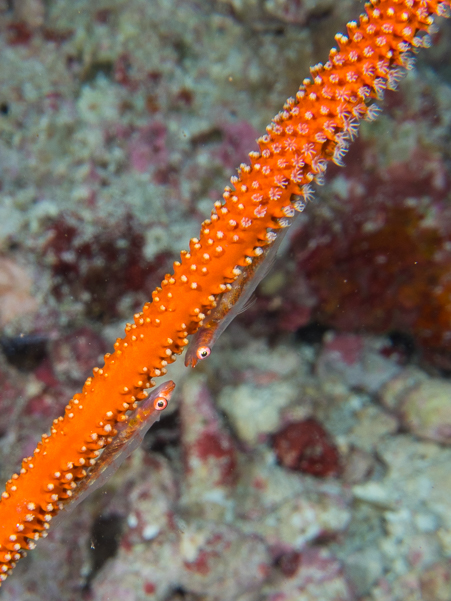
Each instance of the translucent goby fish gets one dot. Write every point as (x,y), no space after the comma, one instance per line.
(236,298)
(129,437)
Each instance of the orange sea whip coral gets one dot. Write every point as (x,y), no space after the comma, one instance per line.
(313,129)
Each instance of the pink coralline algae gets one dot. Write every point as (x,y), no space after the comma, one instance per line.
(209,451)
(74,353)
(359,361)
(305,446)
(218,562)
(310,576)
(19,34)
(99,271)
(238,140)
(207,555)
(147,147)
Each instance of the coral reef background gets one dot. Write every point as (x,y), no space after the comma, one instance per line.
(308,458)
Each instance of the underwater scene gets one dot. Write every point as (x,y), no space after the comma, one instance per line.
(300,447)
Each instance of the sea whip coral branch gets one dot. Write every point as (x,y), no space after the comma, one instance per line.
(313,129)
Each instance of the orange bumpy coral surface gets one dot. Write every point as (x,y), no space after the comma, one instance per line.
(313,128)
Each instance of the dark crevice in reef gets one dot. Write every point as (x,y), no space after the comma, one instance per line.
(312,333)
(26,352)
(164,436)
(105,537)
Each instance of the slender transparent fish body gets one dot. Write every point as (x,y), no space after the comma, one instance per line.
(129,437)
(232,302)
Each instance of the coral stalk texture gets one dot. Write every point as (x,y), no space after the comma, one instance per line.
(312,129)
